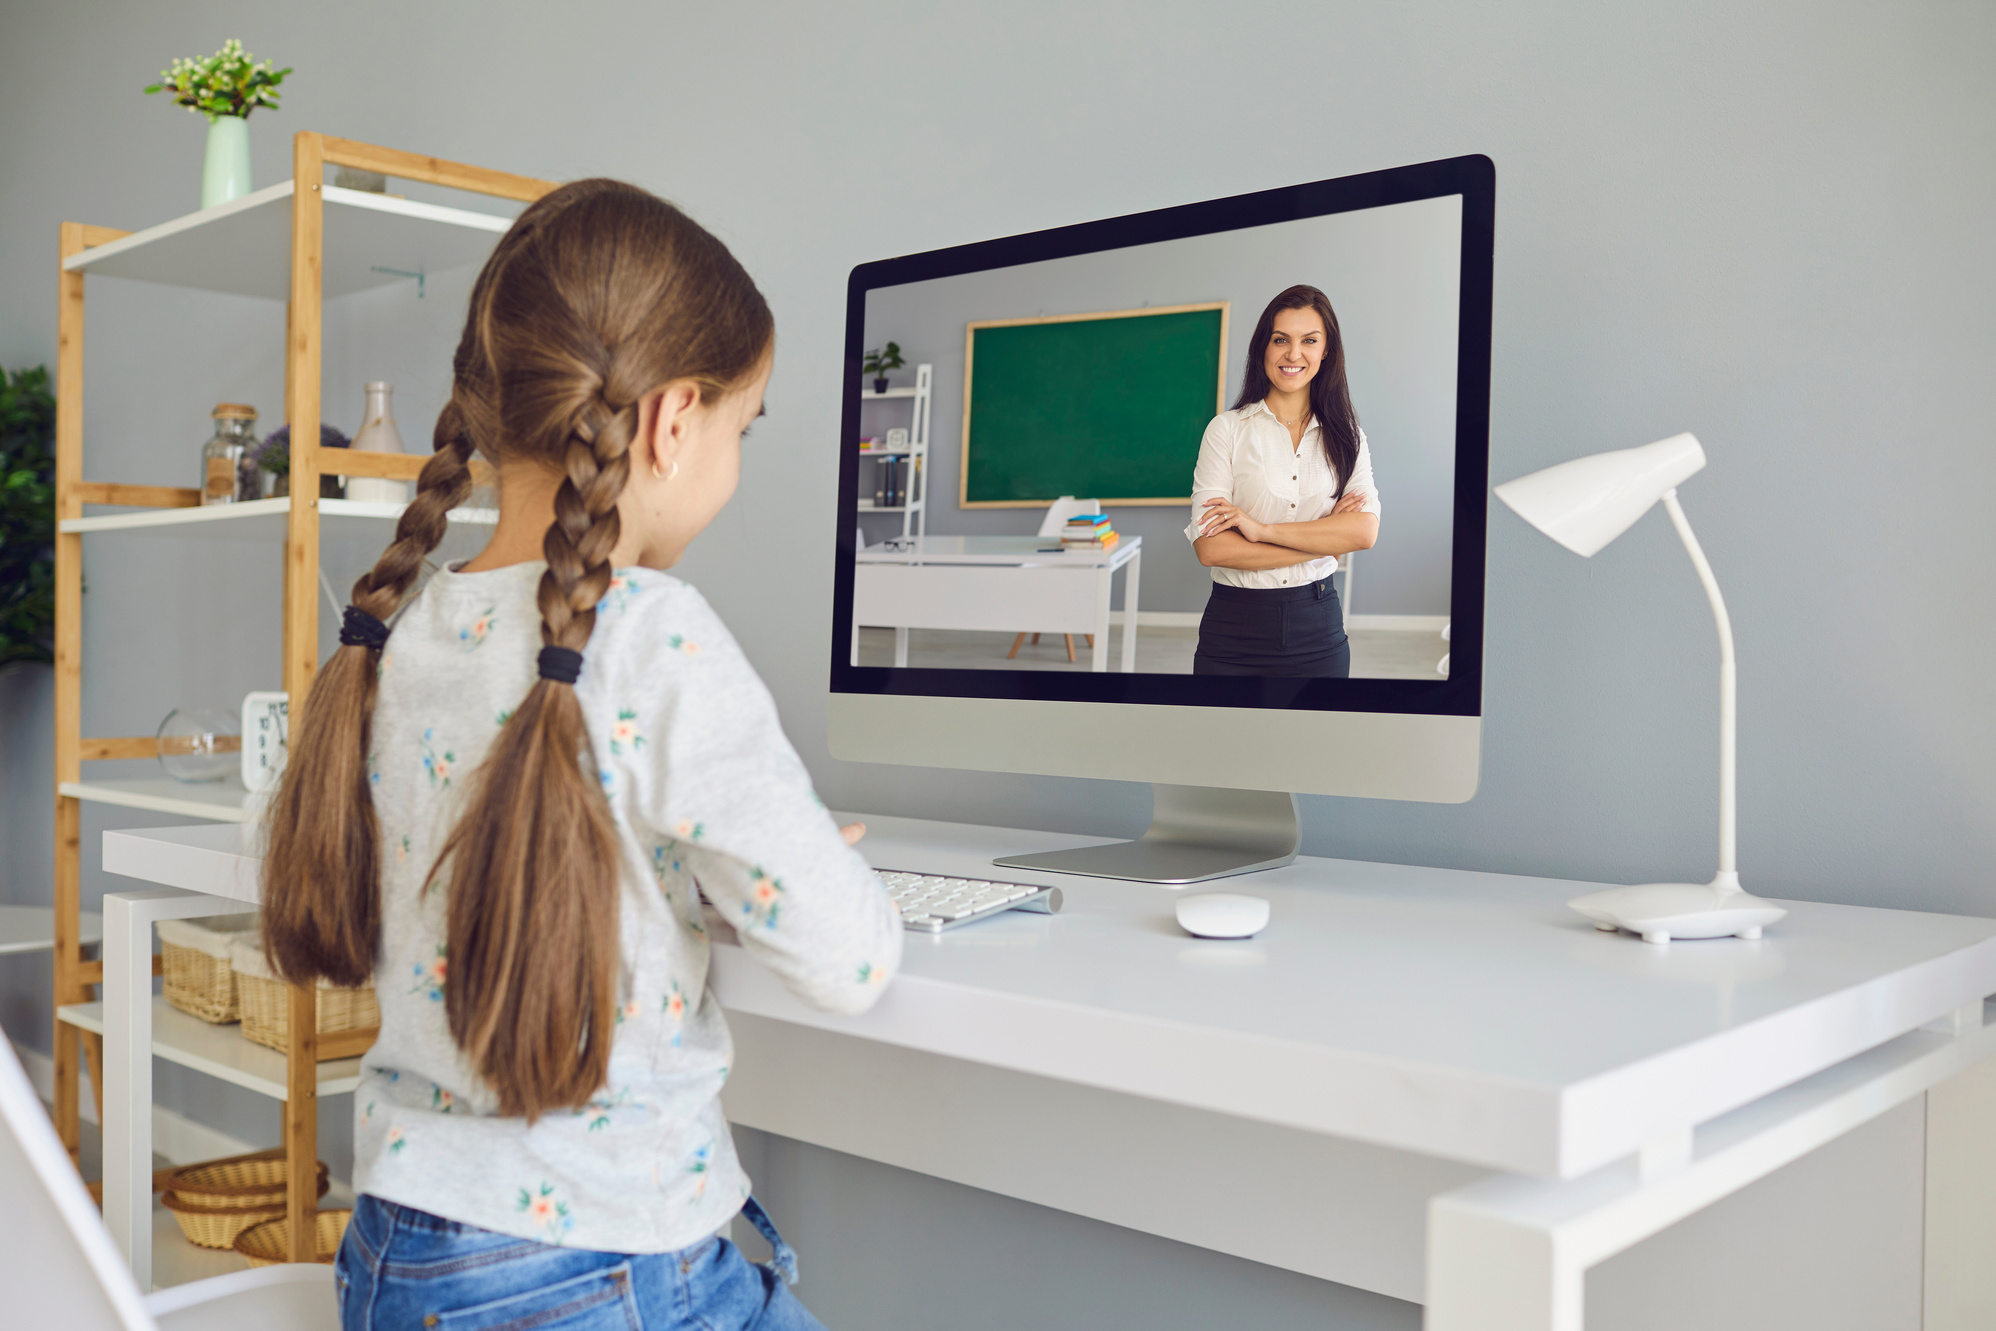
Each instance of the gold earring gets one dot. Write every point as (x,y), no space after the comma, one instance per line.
(661,474)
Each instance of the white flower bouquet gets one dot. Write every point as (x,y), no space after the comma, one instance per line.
(228,83)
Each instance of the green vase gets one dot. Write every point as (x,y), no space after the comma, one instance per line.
(226,173)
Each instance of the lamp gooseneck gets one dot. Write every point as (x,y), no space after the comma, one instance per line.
(1584,504)
(1728,879)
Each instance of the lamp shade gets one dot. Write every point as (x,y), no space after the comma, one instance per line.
(1588,502)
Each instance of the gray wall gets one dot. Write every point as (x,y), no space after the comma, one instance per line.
(1392,276)
(1765,223)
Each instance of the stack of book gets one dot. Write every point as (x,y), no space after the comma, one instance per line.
(1088,531)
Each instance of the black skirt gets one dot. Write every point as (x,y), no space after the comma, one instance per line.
(1273,631)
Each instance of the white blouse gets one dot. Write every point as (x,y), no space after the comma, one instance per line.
(1246,458)
(701,784)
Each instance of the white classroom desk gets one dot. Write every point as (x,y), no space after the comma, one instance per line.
(1007,584)
(1439,1085)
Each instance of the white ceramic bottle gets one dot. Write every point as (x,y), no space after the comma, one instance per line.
(378,435)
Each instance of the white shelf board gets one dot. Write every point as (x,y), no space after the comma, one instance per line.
(219,1051)
(243,247)
(888,452)
(216,801)
(32,929)
(868,506)
(260,519)
(867,394)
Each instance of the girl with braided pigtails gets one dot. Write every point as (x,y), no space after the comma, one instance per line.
(497,811)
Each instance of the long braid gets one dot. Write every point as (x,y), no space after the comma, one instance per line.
(322,870)
(586,524)
(444,483)
(558,824)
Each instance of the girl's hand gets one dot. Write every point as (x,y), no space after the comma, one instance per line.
(1221,514)
(852,832)
(1351,501)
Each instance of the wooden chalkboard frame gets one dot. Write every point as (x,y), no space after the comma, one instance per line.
(963,499)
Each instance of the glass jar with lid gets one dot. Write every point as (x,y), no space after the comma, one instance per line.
(225,476)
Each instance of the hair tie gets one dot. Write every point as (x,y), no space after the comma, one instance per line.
(360,629)
(560,664)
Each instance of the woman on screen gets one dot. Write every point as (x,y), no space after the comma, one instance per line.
(1283,486)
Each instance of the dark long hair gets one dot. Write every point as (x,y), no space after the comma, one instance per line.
(599,294)
(1330,395)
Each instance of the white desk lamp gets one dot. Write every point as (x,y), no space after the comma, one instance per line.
(1584,504)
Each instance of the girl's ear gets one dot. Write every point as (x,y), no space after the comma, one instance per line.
(665,425)
(645,447)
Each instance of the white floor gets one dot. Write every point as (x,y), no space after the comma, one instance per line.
(1375,653)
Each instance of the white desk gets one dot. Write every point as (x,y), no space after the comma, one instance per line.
(1006,584)
(1434,1084)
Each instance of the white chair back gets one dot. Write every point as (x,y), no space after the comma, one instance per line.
(59,1268)
(58,1265)
(1062,509)
(292,1297)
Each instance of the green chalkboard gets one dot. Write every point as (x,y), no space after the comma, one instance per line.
(1100,406)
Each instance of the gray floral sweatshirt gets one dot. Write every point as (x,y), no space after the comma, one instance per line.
(707,794)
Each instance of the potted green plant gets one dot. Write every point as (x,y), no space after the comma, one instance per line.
(881,360)
(225,87)
(272,457)
(27,517)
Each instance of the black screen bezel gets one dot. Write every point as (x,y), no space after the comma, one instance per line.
(1473,177)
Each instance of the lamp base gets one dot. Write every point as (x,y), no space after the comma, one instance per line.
(1660,912)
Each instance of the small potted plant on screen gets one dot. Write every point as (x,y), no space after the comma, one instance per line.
(880,361)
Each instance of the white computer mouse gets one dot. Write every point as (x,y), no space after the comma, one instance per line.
(1222,915)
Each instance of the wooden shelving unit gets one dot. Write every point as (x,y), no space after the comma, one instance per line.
(270,244)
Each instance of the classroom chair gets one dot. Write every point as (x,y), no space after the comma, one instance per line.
(1058,513)
(59,1268)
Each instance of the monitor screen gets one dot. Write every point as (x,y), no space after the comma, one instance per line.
(1231,453)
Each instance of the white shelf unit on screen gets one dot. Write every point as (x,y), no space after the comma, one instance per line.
(914,458)
(302,241)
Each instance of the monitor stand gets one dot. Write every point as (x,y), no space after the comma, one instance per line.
(1196,833)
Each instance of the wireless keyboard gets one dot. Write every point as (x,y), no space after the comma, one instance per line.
(931,903)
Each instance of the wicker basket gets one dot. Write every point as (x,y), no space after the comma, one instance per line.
(238,1180)
(200,980)
(217,1227)
(265,1001)
(268,1244)
(216,1201)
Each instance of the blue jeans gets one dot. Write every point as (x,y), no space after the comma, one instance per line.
(400,1268)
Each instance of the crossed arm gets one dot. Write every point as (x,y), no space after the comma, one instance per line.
(1232,539)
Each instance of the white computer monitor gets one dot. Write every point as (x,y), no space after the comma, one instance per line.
(1011,403)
